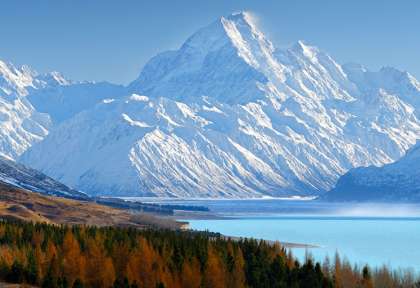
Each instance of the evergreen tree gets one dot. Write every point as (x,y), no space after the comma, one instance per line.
(367,278)
(16,273)
(31,269)
(79,256)
(278,274)
(78,284)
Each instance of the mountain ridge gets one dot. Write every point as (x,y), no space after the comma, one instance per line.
(32,103)
(394,182)
(19,176)
(229,115)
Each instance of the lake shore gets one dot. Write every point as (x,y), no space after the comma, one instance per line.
(185,216)
(287,245)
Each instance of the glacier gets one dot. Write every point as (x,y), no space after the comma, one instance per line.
(229,115)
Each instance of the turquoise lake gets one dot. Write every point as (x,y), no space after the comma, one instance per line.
(373,234)
(395,242)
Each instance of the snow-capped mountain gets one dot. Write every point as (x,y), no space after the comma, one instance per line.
(32,103)
(18,175)
(398,181)
(20,124)
(139,145)
(229,115)
(61,102)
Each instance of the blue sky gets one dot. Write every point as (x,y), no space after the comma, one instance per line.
(112,40)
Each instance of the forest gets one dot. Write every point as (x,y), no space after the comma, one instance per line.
(44,255)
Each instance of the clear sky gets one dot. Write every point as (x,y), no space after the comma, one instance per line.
(112,40)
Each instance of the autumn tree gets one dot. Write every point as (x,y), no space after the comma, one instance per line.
(73,262)
(235,267)
(215,272)
(99,268)
(191,274)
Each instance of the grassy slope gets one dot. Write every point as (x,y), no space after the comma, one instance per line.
(29,206)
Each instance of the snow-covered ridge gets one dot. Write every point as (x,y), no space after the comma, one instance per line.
(230,115)
(20,124)
(18,81)
(13,80)
(20,176)
(61,102)
(398,181)
(31,103)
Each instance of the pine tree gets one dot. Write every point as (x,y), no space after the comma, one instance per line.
(16,273)
(78,284)
(367,278)
(31,269)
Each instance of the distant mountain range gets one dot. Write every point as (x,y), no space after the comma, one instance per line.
(395,182)
(225,115)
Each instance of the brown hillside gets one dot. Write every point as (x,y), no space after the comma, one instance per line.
(29,206)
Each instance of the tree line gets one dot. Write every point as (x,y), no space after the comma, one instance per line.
(79,256)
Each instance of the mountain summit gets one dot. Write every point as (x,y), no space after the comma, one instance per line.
(230,60)
(229,115)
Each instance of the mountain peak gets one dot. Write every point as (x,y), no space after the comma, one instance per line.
(234,28)
(212,56)
(243,17)
(54,79)
(275,122)
(238,15)
(15,79)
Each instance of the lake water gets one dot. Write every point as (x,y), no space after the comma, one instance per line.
(373,234)
(395,242)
